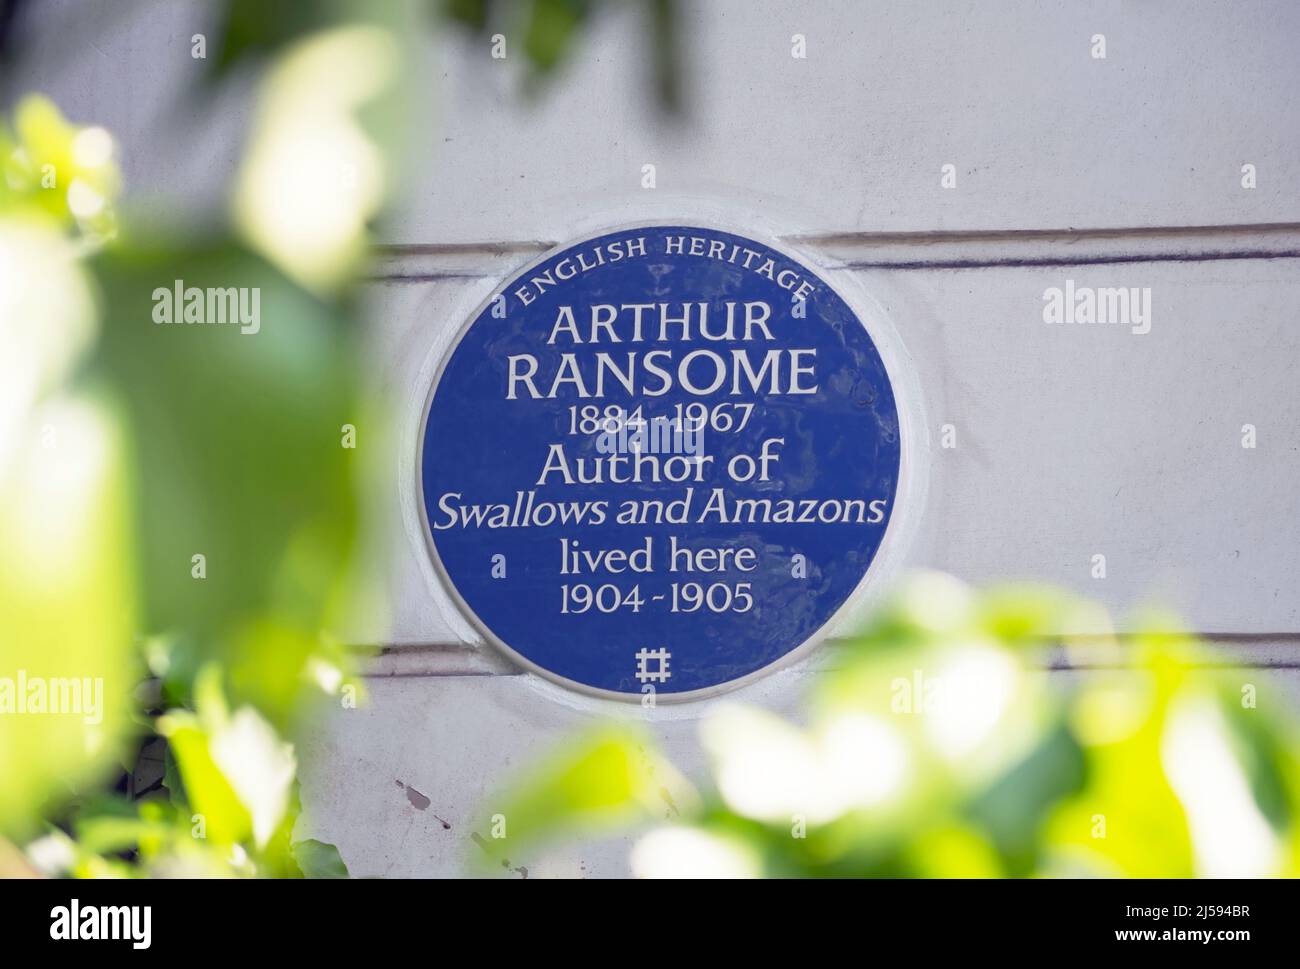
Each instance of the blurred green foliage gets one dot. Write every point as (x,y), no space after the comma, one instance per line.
(236,442)
(129,447)
(184,506)
(51,167)
(65,578)
(548,32)
(552,30)
(938,745)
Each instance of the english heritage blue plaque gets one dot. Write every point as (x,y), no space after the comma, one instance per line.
(661,459)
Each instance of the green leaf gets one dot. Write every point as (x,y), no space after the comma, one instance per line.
(319,860)
(237,456)
(224,817)
(65,612)
(605,779)
(172,780)
(552,30)
(1013,811)
(254,29)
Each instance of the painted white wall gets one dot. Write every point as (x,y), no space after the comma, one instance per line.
(849,139)
(1071,441)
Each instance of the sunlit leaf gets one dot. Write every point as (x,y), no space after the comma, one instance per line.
(65,626)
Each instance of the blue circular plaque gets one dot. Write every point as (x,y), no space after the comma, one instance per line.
(660,459)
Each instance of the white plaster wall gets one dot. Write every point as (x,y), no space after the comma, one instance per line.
(852,137)
(849,139)
(1071,441)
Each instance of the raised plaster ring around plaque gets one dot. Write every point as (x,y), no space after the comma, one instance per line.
(661,459)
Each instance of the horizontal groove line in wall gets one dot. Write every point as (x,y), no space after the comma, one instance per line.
(1229,651)
(1207,636)
(960,249)
(1099,260)
(1049,235)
